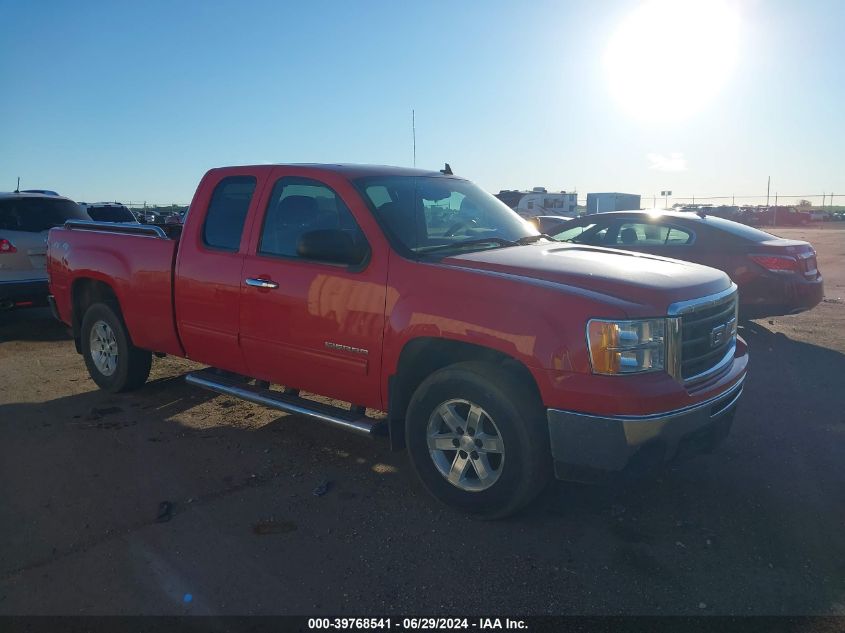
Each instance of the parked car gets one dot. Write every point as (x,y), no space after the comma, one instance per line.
(108,212)
(775,276)
(25,219)
(749,216)
(549,224)
(782,216)
(334,280)
(726,212)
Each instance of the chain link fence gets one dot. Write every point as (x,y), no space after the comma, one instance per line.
(824,201)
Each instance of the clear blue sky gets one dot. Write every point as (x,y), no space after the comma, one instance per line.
(133,101)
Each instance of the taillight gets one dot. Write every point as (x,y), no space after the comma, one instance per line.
(6,246)
(777,263)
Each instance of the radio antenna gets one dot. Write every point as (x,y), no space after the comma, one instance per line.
(414,134)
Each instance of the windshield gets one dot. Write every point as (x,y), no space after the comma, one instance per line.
(424,214)
(36,214)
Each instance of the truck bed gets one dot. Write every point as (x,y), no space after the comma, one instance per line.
(136,261)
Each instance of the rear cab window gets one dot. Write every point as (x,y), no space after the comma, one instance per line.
(227,212)
(35,215)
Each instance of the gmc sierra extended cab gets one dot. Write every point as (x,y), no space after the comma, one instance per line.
(495,354)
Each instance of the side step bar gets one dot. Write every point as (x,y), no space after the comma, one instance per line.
(347,420)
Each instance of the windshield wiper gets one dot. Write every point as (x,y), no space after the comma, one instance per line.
(476,242)
(530,239)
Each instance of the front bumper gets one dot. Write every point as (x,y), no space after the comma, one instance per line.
(584,445)
(26,293)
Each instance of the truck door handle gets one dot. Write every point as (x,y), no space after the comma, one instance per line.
(261,283)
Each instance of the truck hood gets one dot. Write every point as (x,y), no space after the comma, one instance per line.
(652,283)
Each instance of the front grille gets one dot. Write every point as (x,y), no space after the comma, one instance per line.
(707,334)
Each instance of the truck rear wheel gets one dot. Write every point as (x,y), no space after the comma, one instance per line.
(477,440)
(113,362)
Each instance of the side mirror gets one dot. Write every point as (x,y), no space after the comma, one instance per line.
(330,245)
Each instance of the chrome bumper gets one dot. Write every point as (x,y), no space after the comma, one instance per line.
(583,442)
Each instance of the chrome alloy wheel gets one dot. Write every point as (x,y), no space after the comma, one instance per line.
(103,346)
(465,445)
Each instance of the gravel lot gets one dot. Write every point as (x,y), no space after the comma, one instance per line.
(756,528)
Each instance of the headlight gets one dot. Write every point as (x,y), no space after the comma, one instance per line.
(627,347)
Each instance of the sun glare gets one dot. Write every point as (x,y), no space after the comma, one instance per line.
(669,58)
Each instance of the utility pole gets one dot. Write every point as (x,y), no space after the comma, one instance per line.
(768,185)
(414,133)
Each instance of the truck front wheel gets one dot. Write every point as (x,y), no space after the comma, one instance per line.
(477,440)
(113,362)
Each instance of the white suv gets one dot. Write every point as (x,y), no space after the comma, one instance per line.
(25,219)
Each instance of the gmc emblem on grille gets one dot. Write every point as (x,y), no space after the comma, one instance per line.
(717,335)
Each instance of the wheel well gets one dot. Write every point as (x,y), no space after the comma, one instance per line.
(422,357)
(84,293)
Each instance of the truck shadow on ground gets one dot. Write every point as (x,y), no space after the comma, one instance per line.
(35,324)
(762,511)
(750,529)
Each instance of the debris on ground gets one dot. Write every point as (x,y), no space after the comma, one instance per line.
(165,512)
(322,488)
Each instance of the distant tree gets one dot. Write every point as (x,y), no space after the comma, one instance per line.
(804,203)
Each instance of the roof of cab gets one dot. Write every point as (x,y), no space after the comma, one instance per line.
(353,171)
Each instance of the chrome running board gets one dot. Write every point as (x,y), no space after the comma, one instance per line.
(236,386)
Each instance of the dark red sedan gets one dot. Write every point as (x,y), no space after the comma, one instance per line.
(775,276)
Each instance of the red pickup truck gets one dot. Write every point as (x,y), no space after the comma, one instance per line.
(498,355)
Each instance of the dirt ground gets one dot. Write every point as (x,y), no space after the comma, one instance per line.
(756,528)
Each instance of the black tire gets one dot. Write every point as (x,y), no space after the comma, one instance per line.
(519,420)
(132,366)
